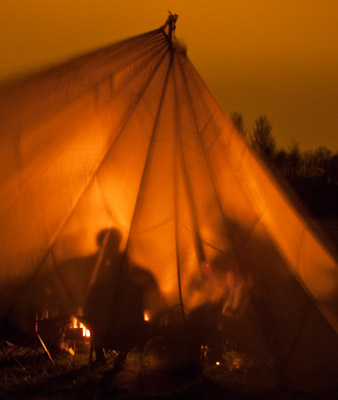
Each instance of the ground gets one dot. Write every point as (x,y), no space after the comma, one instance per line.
(70,378)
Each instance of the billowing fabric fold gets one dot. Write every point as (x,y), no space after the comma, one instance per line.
(124,189)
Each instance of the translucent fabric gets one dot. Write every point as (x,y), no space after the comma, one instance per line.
(119,170)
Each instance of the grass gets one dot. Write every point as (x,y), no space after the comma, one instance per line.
(236,377)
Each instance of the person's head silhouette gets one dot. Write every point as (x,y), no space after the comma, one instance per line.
(110,240)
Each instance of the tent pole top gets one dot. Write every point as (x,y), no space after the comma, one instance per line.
(170,26)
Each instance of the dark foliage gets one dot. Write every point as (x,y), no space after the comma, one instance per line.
(312,174)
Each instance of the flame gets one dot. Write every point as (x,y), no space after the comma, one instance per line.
(146,316)
(77,324)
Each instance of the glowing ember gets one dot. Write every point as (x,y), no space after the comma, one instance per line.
(218,363)
(77,324)
(146,316)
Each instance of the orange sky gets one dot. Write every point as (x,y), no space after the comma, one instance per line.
(273,57)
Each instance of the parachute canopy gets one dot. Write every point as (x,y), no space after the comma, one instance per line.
(122,179)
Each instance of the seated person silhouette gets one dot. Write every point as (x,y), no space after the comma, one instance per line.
(114,309)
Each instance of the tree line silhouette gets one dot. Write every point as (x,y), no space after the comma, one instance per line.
(313,174)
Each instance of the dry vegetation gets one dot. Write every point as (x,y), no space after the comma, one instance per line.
(237,377)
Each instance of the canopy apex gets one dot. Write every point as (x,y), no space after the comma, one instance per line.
(169,26)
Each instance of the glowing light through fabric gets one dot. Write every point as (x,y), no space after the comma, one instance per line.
(129,138)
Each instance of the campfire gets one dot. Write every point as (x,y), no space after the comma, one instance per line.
(76,324)
(76,337)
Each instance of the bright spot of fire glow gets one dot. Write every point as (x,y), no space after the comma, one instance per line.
(218,363)
(77,324)
(146,316)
